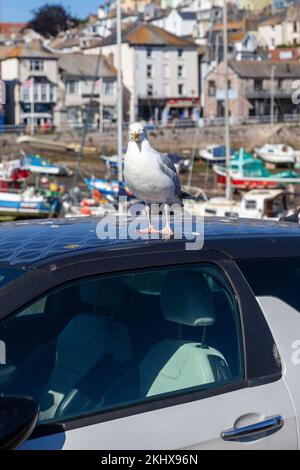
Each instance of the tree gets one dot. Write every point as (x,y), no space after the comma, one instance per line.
(49,20)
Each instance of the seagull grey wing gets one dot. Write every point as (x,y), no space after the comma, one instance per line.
(167,166)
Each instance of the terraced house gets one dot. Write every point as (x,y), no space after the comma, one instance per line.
(31,76)
(251,85)
(77,74)
(160,72)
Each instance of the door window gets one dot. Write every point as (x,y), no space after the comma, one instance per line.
(113,341)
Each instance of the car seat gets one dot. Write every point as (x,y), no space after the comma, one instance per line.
(176,364)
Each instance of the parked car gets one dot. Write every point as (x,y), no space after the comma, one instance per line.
(139,344)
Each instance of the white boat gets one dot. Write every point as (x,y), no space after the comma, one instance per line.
(256,204)
(214,154)
(277,154)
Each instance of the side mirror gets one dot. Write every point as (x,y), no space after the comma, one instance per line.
(18,418)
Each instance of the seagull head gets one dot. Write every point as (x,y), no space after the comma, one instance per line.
(137,133)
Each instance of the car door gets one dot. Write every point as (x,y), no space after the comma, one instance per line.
(172,357)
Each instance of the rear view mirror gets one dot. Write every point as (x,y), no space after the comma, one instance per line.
(18,418)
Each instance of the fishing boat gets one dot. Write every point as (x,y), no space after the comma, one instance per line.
(278,154)
(214,154)
(39,165)
(247,172)
(108,187)
(28,204)
(12,175)
(256,204)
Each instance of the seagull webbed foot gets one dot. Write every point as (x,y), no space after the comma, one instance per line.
(148,231)
(167,232)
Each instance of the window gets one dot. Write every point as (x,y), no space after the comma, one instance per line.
(180,89)
(180,71)
(149,71)
(37,65)
(258,84)
(149,53)
(211,88)
(278,278)
(180,53)
(72,87)
(107,342)
(149,89)
(44,90)
(109,88)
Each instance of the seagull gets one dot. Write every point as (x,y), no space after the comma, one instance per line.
(151,176)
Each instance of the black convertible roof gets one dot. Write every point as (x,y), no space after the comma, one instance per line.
(35,243)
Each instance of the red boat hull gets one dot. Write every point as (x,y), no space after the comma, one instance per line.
(244,184)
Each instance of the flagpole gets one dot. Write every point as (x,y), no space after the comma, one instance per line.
(120,92)
(32,107)
(226,93)
(101,106)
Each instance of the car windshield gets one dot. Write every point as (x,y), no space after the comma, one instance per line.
(274,277)
(9,274)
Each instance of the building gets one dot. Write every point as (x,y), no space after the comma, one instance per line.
(281,4)
(31,76)
(11,31)
(77,74)
(160,71)
(200,5)
(285,54)
(252,46)
(250,90)
(291,26)
(271,30)
(254,5)
(134,6)
(179,22)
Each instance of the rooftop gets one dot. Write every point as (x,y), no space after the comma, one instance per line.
(252,69)
(77,64)
(26,51)
(35,244)
(146,34)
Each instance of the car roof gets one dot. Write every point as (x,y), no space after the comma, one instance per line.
(28,244)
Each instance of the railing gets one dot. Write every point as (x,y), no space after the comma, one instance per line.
(12,129)
(252,93)
(219,121)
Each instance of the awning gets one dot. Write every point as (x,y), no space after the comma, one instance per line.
(182,102)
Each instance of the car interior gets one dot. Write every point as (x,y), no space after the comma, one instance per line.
(122,340)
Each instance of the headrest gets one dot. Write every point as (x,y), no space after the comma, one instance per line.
(106,293)
(186,299)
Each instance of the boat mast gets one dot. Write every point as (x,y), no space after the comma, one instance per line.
(226,93)
(120,92)
(272,114)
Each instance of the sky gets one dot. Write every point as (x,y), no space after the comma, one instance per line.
(20,10)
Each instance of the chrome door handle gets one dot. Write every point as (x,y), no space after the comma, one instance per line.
(254,431)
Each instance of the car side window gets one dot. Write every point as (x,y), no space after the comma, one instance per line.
(111,341)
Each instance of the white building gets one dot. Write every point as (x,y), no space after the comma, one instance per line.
(272,32)
(179,22)
(199,5)
(160,71)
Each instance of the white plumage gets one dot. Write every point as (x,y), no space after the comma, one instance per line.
(150,175)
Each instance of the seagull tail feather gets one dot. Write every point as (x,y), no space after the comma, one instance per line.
(188,196)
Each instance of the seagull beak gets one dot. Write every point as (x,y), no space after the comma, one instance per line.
(135,136)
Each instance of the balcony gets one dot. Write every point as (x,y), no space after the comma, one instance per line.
(266,93)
